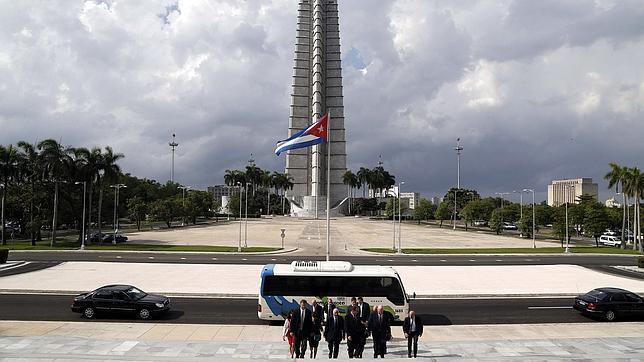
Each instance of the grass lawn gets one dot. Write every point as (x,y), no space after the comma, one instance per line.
(546,250)
(71,245)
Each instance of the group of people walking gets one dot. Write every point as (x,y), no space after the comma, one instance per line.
(309,323)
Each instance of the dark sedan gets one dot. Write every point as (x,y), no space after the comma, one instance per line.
(610,304)
(124,299)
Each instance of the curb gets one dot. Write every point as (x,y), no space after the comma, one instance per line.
(561,255)
(283,251)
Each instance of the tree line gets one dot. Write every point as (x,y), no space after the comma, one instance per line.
(42,190)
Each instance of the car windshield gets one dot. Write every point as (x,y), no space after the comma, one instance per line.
(598,295)
(135,294)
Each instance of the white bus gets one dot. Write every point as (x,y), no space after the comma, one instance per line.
(284,285)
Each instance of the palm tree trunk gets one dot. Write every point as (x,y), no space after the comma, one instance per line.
(32,235)
(4,197)
(55,218)
(268,208)
(624,236)
(89,210)
(100,205)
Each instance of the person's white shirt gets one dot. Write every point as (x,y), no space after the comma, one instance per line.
(287,326)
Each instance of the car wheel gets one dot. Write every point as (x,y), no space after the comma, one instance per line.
(610,316)
(89,313)
(144,313)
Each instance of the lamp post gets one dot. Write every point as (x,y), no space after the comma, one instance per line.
(534,218)
(246,218)
(183,203)
(116,188)
(173,145)
(84,198)
(566,187)
(393,219)
(400,217)
(458,150)
(240,218)
(2,215)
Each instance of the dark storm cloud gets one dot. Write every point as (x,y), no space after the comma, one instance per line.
(537,90)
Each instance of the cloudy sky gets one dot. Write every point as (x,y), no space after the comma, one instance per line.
(536,90)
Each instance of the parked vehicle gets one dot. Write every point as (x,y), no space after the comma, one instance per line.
(610,304)
(509,226)
(106,238)
(124,299)
(480,223)
(610,240)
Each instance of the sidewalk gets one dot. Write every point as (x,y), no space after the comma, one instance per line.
(167,342)
(221,280)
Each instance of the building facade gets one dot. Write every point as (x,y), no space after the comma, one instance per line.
(562,191)
(317,89)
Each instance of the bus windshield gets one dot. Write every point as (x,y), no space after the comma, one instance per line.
(322,286)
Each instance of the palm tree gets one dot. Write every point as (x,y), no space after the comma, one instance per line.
(29,162)
(364,176)
(267,182)
(91,173)
(616,177)
(8,171)
(110,172)
(351,180)
(634,186)
(55,160)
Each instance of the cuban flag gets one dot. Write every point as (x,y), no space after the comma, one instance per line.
(313,135)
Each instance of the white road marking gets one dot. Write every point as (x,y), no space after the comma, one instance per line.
(214,258)
(499,260)
(562,307)
(150,257)
(273,259)
(389,259)
(183,258)
(443,260)
(528,259)
(244,259)
(118,257)
(414,260)
(472,259)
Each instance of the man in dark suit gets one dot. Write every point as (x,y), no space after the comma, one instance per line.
(317,308)
(380,327)
(413,328)
(365,310)
(328,310)
(301,328)
(334,333)
(355,331)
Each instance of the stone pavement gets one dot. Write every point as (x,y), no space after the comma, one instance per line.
(57,341)
(348,235)
(243,280)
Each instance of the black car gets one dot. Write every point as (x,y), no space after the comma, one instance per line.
(610,304)
(124,299)
(106,238)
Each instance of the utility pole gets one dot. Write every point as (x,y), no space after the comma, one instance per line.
(458,150)
(172,144)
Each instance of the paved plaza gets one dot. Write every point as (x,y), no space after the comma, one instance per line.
(58,341)
(348,235)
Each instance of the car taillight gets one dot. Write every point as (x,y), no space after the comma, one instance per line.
(259,308)
(591,306)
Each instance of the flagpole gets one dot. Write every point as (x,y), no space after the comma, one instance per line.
(328,185)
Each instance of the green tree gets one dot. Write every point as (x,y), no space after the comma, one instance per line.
(596,221)
(198,203)
(443,212)
(424,210)
(166,210)
(9,167)
(496,220)
(137,210)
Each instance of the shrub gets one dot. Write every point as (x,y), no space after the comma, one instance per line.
(640,261)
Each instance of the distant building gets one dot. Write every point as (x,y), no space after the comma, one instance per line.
(436,200)
(612,203)
(410,198)
(562,191)
(221,194)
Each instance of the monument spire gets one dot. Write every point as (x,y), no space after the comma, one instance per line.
(317,89)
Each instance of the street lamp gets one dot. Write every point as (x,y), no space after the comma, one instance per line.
(116,188)
(2,214)
(173,145)
(246,216)
(400,217)
(183,203)
(501,196)
(458,150)
(239,184)
(566,187)
(393,219)
(84,198)
(534,224)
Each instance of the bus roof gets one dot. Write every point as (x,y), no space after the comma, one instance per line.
(321,270)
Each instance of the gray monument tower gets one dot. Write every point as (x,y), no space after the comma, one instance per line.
(317,89)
